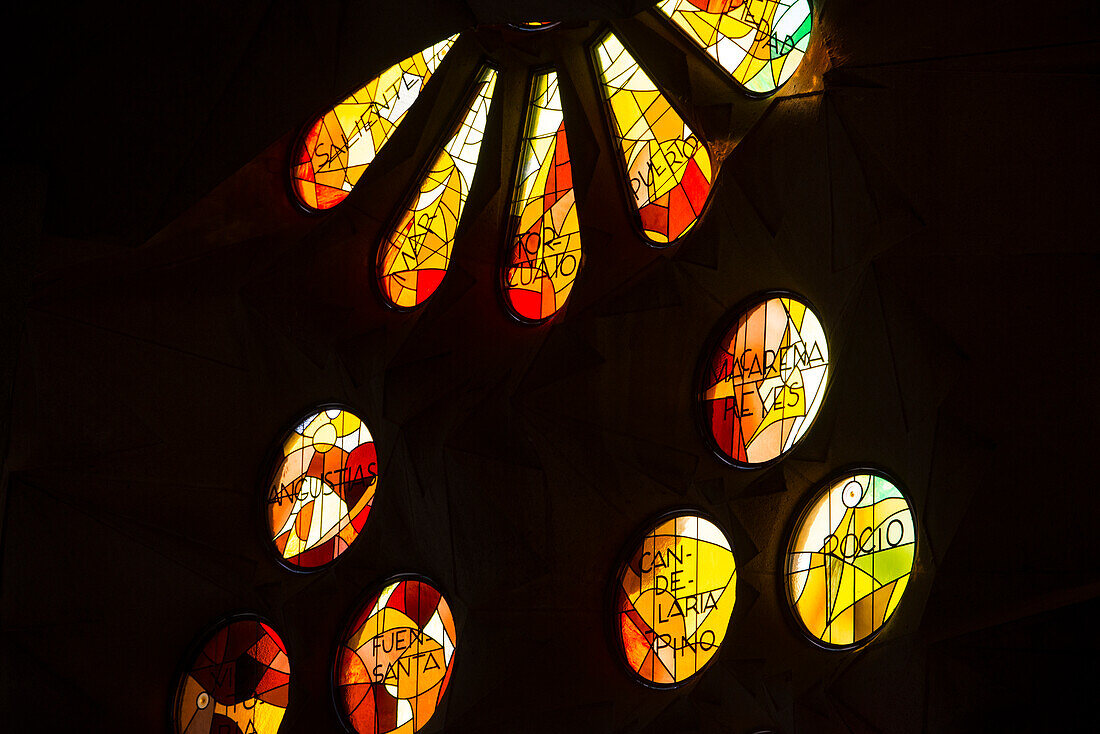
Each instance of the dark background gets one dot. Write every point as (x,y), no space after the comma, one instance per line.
(927,180)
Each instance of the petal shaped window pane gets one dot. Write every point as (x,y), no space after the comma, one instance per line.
(395,659)
(765,381)
(674,598)
(414,257)
(849,559)
(238,681)
(339,146)
(545,254)
(759,43)
(667,165)
(322,490)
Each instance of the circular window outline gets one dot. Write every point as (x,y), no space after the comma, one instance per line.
(273,461)
(622,558)
(804,505)
(712,343)
(374,590)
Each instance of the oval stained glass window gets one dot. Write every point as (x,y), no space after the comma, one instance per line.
(395,658)
(765,381)
(322,490)
(759,43)
(335,151)
(545,250)
(238,682)
(673,599)
(849,559)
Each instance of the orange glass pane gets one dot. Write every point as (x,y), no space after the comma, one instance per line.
(766,381)
(239,681)
(849,559)
(415,256)
(759,43)
(338,147)
(395,659)
(545,254)
(668,166)
(674,598)
(321,493)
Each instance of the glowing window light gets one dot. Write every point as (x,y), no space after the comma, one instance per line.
(239,681)
(415,256)
(668,166)
(322,490)
(765,381)
(545,254)
(850,557)
(333,154)
(759,43)
(395,659)
(673,599)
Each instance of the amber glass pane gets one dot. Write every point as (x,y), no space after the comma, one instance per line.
(766,381)
(545,254)
(850,557)
(414,257)
(239,682)
(339,146)
(668,167)
(395,659)
(674,599)
(321,493)
(759,43)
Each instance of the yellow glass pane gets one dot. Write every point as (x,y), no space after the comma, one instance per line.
(668,166)
(674,599)
(415,256)
(759,43)
(849,559)
(338,147)
(545,254)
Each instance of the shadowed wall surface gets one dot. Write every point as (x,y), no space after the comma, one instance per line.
(926,180)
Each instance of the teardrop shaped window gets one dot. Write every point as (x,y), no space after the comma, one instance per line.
(759,43)
(322,490)
(673,599)
(545,251)
(415,256)
(395,658)
(239,680)
(765,381)
(337,148)
(668,167)
(849,559)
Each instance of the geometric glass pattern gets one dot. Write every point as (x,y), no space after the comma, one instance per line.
(322,491)
(339,146)
(414,257)
(765,381)
(759,43)
(674,598)
(850,557)
(395,659)
(237,684)
(546,248)
(668,167)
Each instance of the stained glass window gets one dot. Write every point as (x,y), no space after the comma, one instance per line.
(413,259)
(850,557)
(338,147)
(759,43)
(238,682)
(667,165)
(395,659)
(322,490)
(765,381)
(674,598)
(545,254)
